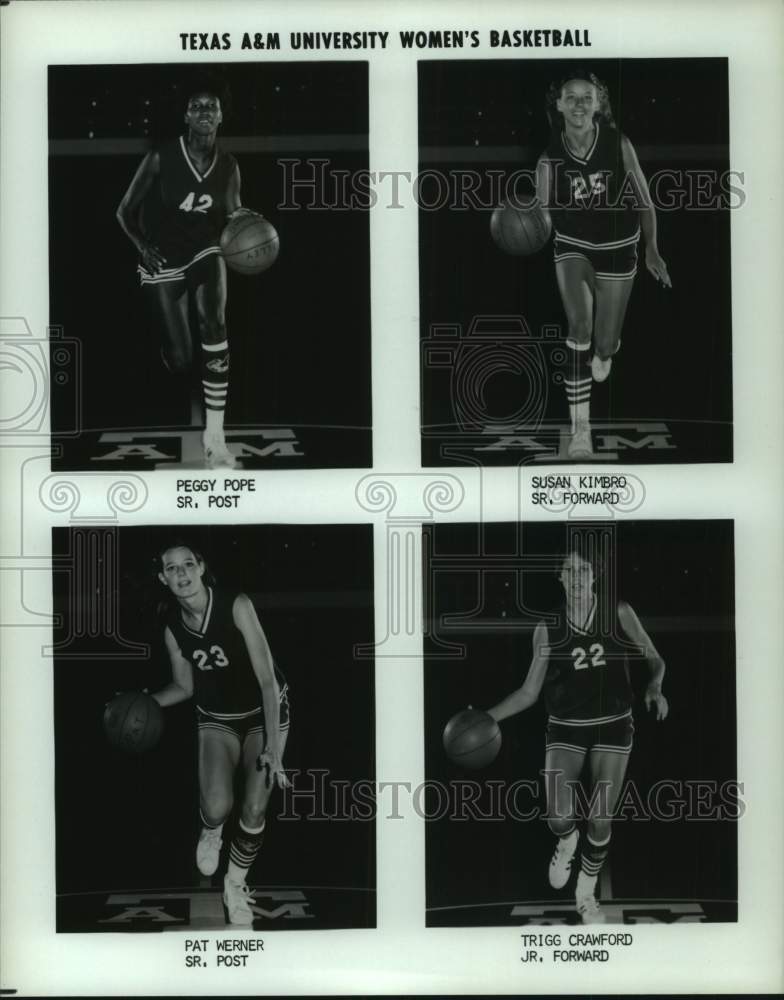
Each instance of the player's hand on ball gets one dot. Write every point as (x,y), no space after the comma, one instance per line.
(242,211)
(152,258)
(656,266)
(270,762)
(655,699)
(117,695)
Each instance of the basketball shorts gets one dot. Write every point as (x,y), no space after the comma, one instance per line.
(613,263)
(613,734)
(247,725)
(193,270)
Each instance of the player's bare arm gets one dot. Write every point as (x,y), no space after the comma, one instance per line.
(634,630)
(180,688)
(233,198)
(128,211)
(528,694)
(653,260)
(247,621)
(543,187)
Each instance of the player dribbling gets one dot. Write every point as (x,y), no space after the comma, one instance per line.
(580,665)
(220,656)
(590,181)
(174,210)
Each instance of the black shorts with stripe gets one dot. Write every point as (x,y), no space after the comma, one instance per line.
(611,263)
(613,734)
(246,725)
(194,270)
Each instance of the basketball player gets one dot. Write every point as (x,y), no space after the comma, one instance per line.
(590,183)
(219,654)
(580,664)
(173,212)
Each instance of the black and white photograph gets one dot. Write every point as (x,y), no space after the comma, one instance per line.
(391,542)
(580,714)
(201,679)
(575,261)
(219,301)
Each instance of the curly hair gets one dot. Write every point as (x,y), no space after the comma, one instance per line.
(208,82)
(554,116)
(585,545)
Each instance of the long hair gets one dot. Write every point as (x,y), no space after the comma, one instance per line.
(554,116)
(166,598)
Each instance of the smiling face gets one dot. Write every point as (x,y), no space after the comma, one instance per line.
(181,571)
(578,103)
(576,577)
(203,114)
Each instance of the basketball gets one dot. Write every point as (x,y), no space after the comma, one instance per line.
(472,738)
(249,243)
(520,227)
(133,722)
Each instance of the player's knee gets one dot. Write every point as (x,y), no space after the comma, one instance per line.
(253,814)
(216,808)
(178,361)
(580,328)
(599,829)
(560,825)
(607,342)
(212,329)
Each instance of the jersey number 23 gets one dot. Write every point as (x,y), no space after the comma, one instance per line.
(210,660)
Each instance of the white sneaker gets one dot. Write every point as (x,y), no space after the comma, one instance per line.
(208,850)
(237,898)
(580,445)
(600,368)
(561,861)
(589,910)
(216,454)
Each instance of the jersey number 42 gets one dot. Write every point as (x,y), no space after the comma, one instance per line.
(202,205)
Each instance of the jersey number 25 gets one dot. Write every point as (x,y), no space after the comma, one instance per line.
(209,661)
(594,653)
(204,202)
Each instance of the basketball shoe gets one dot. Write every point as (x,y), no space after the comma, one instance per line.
(600,368)
(216,454)
(237,898)
(580,445)
(208,849)
(585,900)
(561,861)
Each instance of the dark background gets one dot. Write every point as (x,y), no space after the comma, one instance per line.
(299,333)
(126,822)
(678,576)
(675,360)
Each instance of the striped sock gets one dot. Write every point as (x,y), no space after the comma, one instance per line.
(215,375)
(593,856)
(243,852)
(577,381)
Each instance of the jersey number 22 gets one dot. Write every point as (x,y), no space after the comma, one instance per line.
(594,653)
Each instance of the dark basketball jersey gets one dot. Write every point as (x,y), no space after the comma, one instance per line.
(592,202)
(187,210)
(224,682)
(587,675)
